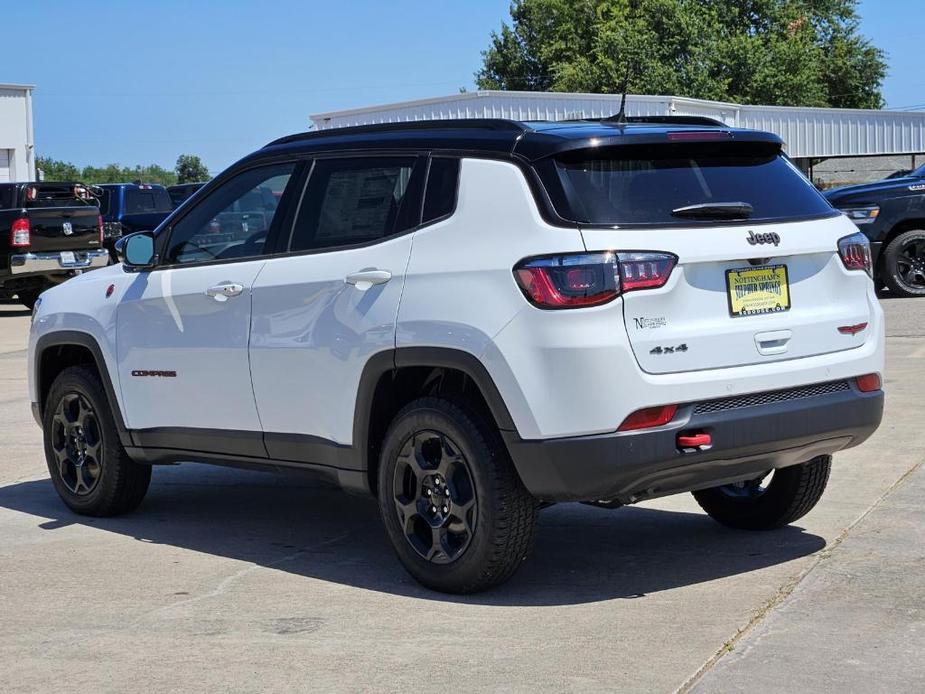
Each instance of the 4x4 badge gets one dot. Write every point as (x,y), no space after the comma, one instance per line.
(754,238)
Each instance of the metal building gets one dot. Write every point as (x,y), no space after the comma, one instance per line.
(17,158)
(810,133)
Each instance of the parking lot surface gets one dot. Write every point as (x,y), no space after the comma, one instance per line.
(228,580)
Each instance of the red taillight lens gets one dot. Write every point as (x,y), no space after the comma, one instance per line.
(99,225)
(569,281)
(21,233)
(649,417)
(868,383)
(590,279)
(855,253)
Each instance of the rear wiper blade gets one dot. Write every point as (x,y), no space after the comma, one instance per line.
(715,210)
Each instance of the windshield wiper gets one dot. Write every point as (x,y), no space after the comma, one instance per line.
(715,210)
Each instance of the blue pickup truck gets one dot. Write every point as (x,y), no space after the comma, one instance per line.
(131,207)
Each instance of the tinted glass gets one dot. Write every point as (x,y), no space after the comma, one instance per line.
(139,201)
(635,185)
(6,197)
(58,196)
(234,220)
(442,181)
(351,201)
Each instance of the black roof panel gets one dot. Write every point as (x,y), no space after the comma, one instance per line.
(532,139)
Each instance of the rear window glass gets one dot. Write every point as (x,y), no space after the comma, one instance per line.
(139,201)
(56,196)
(648,185)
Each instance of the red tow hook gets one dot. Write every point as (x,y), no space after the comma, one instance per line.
(695,440)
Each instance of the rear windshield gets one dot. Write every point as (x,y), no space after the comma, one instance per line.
(648,185)
(57,196)
(138,201)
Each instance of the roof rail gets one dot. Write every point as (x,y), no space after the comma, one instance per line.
(446,124)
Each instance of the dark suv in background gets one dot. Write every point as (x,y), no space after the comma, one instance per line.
(131,207)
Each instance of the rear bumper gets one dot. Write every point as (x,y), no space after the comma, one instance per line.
(750,435)
(45,263)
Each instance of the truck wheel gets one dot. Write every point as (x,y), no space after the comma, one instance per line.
(454,508)
(28,298)
(89,468)
(759,504)
(904,264)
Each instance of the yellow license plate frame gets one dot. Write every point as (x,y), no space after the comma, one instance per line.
(757,291)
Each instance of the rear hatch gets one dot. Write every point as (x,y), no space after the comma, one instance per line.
(62,218)
(146,206)
(758,276)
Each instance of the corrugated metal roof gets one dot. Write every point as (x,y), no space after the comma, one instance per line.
(808,132)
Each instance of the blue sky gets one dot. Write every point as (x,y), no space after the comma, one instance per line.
(142,82)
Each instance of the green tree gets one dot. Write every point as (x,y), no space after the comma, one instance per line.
(786,52)
(190,169)
(54,170)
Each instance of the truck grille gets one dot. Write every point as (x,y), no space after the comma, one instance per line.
(754,399)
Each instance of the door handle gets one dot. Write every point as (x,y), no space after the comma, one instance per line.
(225,290)
(365,279)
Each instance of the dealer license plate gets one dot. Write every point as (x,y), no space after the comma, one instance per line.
(68,258)
(757,290)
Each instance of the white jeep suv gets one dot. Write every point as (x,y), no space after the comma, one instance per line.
(471,319)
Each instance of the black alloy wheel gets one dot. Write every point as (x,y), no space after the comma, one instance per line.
(77,444)
(454,509)
(771,500)
(904,264)
(89,467)
(435,497)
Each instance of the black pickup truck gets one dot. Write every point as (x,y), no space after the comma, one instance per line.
(891,213)
(48,233)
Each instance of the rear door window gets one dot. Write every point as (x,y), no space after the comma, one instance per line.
(649,185)
(355,201)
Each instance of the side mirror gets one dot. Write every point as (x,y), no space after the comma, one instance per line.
(136,251)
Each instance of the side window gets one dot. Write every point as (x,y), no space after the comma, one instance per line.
(351,201)
(442,182)
(234,220)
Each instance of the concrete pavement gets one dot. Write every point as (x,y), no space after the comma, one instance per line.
(229,580)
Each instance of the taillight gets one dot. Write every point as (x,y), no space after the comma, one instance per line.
(649,417)
(868,383)
(99,225)
(20,233)
(645,270)
(855,253)
(589,279)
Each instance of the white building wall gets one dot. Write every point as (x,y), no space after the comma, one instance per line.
(808,132)
(16,143)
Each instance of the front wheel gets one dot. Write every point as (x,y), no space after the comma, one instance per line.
(770,501)
(89,467)
(455,510)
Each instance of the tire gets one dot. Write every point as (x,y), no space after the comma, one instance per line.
(88,465)
(28,298)
(482,531)
(904,264)
(791,494)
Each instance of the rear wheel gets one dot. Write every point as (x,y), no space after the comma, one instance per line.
(904,264)
(771,501)
(455,510)
(89,468)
